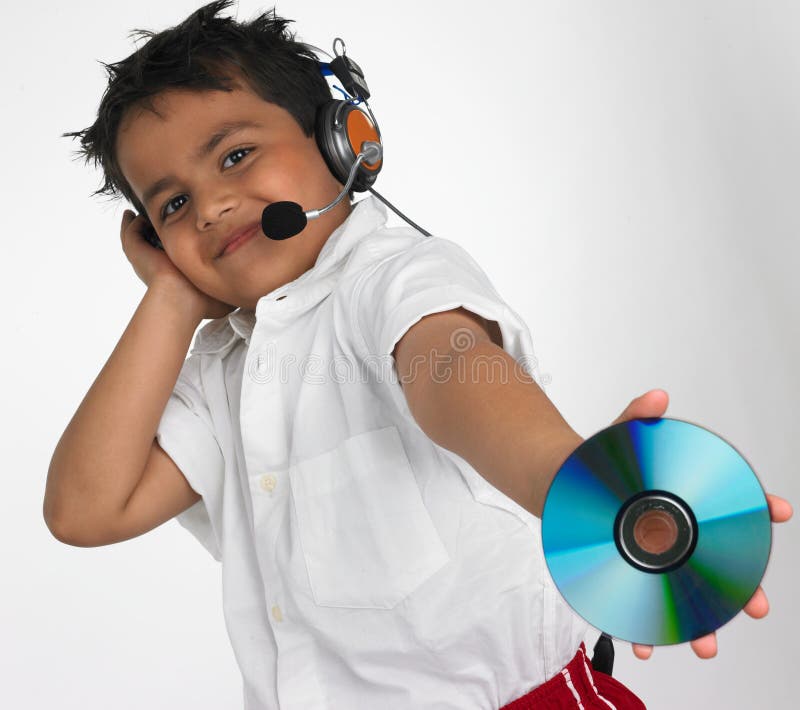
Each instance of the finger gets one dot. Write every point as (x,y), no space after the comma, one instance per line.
(780,510)
(129,227)
(758,606)
(706,646)
(641,651)
(651,404)
(127,218)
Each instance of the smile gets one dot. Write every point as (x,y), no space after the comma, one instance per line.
(236,243)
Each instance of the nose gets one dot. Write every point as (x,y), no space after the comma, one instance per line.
(212,203)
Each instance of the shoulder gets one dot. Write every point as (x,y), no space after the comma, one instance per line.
(397,267)
(395,254)
(380,245)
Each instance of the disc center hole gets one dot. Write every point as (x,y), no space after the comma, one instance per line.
(655,531)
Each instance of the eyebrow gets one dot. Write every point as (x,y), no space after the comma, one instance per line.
(220,134)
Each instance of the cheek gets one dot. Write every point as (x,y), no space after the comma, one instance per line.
(305,170)
(184,252)
(326,177)
(180,261)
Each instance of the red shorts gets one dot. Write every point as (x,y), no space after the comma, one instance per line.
(578,685)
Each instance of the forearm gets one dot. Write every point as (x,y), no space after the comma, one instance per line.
(103,451)
(498,419)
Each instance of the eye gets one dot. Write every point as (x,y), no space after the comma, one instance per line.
(235,156)
(240,152)
(165,212)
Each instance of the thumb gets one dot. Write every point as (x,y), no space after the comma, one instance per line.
(652,403)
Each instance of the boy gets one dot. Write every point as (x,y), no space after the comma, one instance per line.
(377,538)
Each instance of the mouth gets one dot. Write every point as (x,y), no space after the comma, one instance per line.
(234,240)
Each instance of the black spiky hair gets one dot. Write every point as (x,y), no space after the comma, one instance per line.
(200,54)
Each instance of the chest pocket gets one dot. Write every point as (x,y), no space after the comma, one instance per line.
(367,537)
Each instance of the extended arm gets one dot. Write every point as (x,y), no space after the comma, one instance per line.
(471,397)
(509,431)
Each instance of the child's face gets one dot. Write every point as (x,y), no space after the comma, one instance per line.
(210,195)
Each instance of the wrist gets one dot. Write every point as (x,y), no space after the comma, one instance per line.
(560,450)
(175,295)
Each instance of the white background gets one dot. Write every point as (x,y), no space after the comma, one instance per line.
(625,172)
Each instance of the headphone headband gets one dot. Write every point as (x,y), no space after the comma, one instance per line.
(342,126)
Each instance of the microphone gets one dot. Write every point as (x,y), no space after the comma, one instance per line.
(281,220)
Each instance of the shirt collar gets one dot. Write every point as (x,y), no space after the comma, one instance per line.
(306,290)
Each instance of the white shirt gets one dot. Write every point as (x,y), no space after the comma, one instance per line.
(363,565)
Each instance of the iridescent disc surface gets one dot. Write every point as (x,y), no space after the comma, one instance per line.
(683,461)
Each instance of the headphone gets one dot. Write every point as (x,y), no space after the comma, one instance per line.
(348,139)
(341,126)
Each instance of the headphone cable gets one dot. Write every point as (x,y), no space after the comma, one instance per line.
(398,212)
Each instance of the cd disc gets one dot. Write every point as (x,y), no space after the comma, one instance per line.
(656,531)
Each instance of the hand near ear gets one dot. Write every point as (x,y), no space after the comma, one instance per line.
(153,266)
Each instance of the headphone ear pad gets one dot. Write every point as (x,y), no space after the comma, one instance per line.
(329,144)
(331,132)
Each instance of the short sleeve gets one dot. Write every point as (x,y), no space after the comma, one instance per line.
(186,433)
(432,276)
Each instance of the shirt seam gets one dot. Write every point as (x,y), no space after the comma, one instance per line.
(359,285)
(357,289)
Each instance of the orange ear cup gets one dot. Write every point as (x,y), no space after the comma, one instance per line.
(359,129)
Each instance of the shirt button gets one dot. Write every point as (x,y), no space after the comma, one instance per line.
(268,482)
(276,613)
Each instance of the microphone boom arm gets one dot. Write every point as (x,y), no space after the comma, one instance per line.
(371,153)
